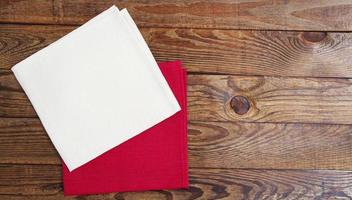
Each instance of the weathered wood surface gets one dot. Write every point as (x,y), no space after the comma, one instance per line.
(291,116)
(212,145)
(44,182)
(271,99)
(271,53)
(323,15)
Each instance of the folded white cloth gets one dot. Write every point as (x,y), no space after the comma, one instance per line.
(96,87)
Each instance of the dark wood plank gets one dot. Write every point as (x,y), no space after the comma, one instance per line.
(212,144)
(271,99)
(13,101)
(223,14)
(25,141)
(272,53)
(269,146)
(44,182)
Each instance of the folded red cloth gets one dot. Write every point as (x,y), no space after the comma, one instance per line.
(153,160)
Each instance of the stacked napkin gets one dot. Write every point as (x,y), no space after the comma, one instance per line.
(95,89)
(155,159)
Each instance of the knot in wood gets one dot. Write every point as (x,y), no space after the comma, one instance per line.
(314,36)
(240,104)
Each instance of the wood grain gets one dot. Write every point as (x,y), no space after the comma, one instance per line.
(271,53)
(212,144)
(269,146)
(222,14)
(44,182)
(25,141)
(13,101)
(272,99)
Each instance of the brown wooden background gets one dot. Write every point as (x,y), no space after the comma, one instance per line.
(292,61)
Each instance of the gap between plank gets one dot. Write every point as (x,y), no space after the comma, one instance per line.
(224,168)
(182,27)
(218,121)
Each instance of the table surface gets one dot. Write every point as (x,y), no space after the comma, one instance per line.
(269,95)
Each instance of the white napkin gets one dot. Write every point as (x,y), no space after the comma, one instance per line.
(96,87)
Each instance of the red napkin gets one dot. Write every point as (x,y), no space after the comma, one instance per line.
(153,160)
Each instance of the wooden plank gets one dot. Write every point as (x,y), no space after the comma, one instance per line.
(13,101)
(44,182)
(269,146)
(25,141)
(271,53)
(222,14)
(271,99)
(240,145)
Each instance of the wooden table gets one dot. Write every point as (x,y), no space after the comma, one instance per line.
(269,95)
